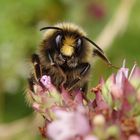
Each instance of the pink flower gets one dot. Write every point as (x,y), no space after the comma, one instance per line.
(46,81)
(113,113)
(36,106)
(72,101)
(99,102)
(120,77)
(91,137)
(118,82)
(121,86)
(68,125)
(134,137)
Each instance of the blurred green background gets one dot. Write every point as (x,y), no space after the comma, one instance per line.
(20,22)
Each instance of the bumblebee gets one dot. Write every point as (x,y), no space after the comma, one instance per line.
(65,54)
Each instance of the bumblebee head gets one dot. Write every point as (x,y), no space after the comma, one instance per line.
(69,45)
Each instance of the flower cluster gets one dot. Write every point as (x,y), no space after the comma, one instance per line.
(113,114)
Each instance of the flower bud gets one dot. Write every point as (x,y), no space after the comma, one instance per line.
(99,120)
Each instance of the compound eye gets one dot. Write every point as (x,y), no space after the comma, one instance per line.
(79,45)
(58,40)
